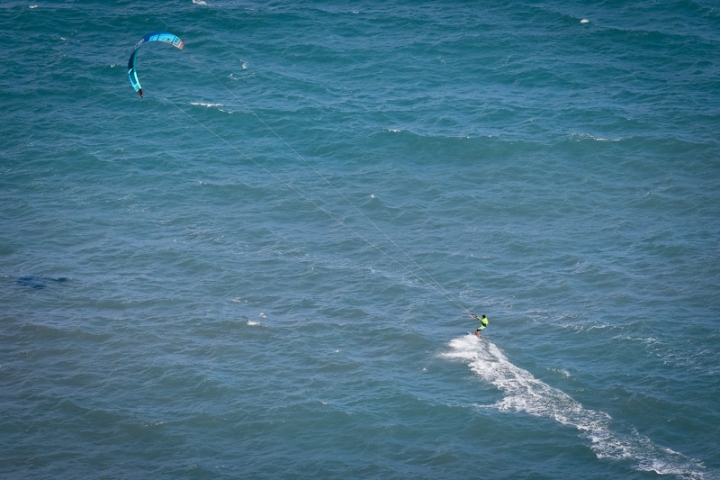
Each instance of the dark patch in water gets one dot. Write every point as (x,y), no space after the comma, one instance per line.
(38,283)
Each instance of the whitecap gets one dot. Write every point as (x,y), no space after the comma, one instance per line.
(584,20)
(253,324)
(199,2)
(207,105)
(587,136)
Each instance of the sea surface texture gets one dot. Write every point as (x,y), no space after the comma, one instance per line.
(265,267)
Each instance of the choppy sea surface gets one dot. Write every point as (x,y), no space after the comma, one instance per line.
(264,268)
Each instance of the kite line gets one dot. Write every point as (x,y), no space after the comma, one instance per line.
(177,42)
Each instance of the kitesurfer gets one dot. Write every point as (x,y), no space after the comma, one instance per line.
(483,324)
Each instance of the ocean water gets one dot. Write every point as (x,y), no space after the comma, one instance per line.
(264,268)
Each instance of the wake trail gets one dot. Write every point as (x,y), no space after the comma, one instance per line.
(525,393)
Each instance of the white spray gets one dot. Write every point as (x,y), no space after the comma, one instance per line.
(525,393)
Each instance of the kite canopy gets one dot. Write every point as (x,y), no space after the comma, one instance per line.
(150,37)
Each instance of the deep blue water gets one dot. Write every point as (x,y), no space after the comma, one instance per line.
(264,268)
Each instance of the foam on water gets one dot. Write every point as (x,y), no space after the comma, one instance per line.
(208,105)
(525,393)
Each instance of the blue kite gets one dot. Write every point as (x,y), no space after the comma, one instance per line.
(150,37)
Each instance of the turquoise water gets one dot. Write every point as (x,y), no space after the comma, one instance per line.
(264,268)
